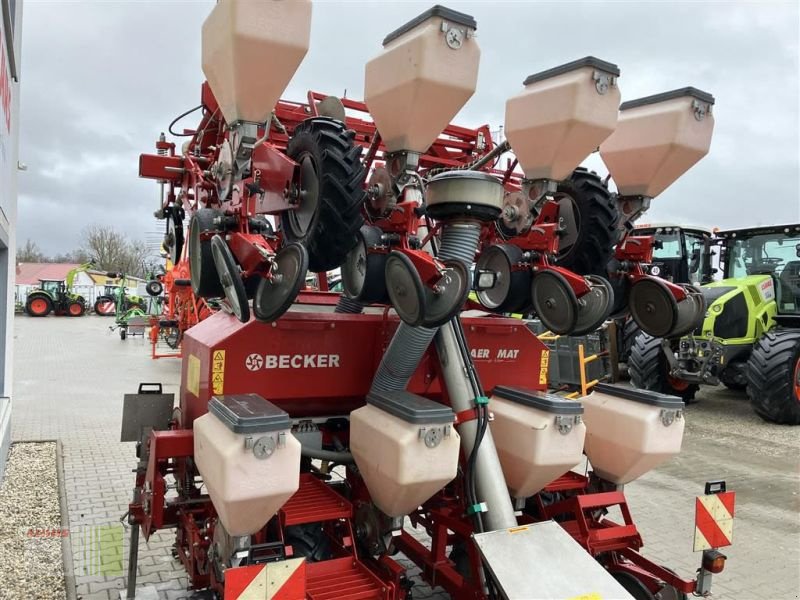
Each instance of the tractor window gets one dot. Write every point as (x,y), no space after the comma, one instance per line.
(696,252)
(50,286)
(670,245)
(775,254)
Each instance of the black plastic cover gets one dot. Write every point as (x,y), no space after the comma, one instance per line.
(586,61)
(411,408)
(643,396)
(655,98)
(448,14)
(249,413)
(540,400)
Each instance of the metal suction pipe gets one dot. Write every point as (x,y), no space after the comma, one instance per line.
(459,240)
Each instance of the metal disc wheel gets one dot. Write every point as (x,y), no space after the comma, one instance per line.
(174,237)
(331,193)
(633,586)
(512,288)
(276,293)
(363,271)
(231,279)
(205,279)
(405,288)
(594,306)
(444,301)
(554,302)
(691,311)
(653,306)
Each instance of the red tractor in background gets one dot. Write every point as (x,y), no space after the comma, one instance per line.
(288,467)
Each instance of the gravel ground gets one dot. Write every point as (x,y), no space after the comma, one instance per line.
(31,562)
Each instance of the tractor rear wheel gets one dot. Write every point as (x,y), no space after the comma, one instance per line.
(649,370)
(328,217)
(38,305)
(105,306)
(630,330)
(590,217)
(773,377)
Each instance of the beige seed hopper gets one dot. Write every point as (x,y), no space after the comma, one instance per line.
(427,71)
(561,116)
(658,139)
(251,50)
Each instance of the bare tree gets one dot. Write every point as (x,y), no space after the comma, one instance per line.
(111,250)
(30,253)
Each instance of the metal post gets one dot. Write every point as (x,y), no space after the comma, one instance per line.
(489,478)
(133,562)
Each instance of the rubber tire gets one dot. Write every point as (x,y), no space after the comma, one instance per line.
(333,228)
(597,233)
(633,586)
(154,288)
(205,283)
(647,368)
(33,297)
(96,302)
(630,330)
(123,334)
(79,303)
(770,370)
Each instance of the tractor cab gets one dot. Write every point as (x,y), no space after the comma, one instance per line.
(682,254)
(54,287)
(769,255)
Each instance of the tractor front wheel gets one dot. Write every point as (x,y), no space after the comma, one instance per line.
(649,370)
(38,306)
(76,309)
(773,377)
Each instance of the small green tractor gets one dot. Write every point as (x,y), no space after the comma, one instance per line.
(113,294)
(54,295)
(750,337)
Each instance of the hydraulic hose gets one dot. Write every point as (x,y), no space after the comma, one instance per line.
(329,455)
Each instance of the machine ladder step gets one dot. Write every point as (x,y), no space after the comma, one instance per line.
(315,501)
(343,579)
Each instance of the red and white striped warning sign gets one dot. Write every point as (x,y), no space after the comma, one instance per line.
(713,521)
(284,580)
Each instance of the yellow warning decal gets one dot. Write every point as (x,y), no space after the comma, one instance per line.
(193,375)
(518,529)
(544,363)
(218,371)
(592,596)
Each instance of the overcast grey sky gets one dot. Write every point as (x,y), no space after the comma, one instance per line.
(100,80)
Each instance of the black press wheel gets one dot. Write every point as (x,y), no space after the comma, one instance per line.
(205,279)
(331,192)
(554,301)
(275,294)
(405,288)
(590,216)
(445,302)
(633,586)
(231,278)
(773,377)
(649,370)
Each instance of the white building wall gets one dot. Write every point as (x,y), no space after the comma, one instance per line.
(11,38)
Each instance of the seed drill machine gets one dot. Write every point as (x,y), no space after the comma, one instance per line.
(317,435)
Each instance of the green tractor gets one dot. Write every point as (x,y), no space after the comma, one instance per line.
(54,295)
(750,337)
(113,295)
